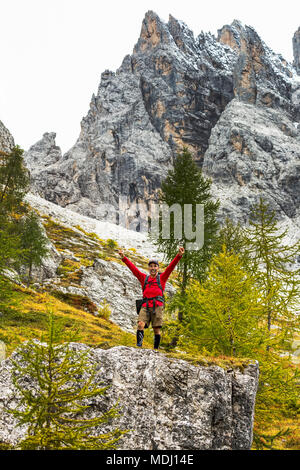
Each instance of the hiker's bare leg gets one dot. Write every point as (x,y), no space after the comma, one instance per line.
(141,325)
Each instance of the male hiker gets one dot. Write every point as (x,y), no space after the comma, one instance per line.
(153,305)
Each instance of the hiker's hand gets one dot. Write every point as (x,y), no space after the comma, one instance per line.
(121,253)
(181,250)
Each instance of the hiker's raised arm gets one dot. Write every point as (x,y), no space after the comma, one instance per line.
(164,276)
(141,276)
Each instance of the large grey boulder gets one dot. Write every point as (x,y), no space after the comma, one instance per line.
(168,404)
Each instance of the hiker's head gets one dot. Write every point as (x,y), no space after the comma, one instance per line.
(153,266)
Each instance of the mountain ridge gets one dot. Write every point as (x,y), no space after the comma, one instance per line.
(171,91)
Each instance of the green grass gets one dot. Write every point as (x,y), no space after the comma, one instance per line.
(28,320)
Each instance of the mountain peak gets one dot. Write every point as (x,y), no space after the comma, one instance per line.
(153,32)
(45,152)
(171,92)
(182,35)
(231,34)
(238,24)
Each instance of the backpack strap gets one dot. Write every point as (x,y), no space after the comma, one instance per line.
(159,283)
(146,282)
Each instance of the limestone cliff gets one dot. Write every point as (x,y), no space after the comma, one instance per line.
(252,151)
(168,404)
(6,139)
(296,49)
(174,90)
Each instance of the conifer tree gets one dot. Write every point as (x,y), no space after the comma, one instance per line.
(223,312)
(277,398)
(34,243)
(14,180)
(265,256)
(14,183)
(272,264)
(185,184)
(61,391)
(234,238)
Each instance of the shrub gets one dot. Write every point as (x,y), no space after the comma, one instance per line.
(104,311)
(111,244)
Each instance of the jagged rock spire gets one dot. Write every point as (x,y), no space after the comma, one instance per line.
(153,32)
(296,50)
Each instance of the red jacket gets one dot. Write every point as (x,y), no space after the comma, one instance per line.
(152,289)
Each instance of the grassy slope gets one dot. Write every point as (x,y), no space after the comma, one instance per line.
(27,319)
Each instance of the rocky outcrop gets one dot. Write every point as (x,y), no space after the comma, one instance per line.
(173,90)
(6,139)
(296,50)
(260,77)
(118,152)
(46,148)
(167,404)
(254,151)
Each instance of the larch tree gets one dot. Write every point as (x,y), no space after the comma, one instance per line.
(34,243)
(273,263)
(185,185)
(14,183)
(14,180)
(223,312)
(55,406)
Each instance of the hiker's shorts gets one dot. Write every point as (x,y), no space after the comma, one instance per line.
(155,318)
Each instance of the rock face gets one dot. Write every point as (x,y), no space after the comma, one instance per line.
(252,151)
(260,77)
(6,139)
(168,404)
(46,146)
(174,90)
(296,50)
